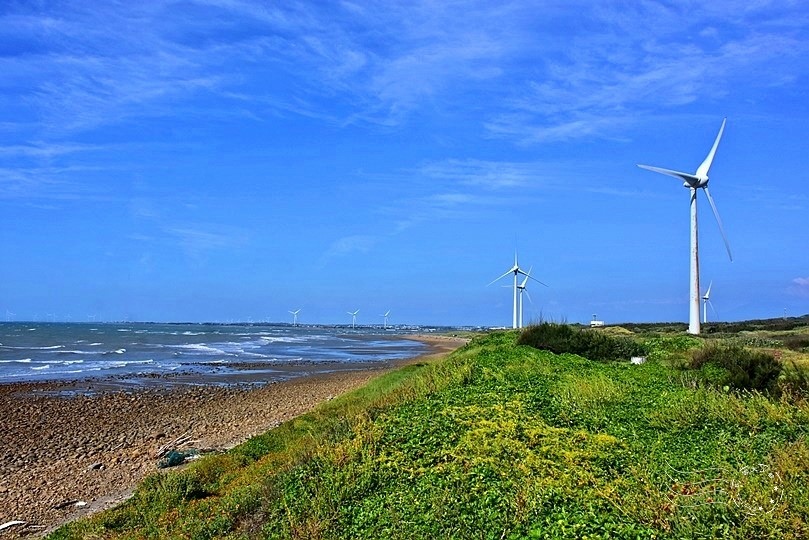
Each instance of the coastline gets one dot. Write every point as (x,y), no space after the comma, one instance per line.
(92,441)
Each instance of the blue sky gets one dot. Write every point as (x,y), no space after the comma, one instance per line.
(232,160)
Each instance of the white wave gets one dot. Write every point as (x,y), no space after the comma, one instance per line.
(46,348)
(254,355)
(124,363)
(189,333)
(20,361)
(46,366)
(200,348)
(266,340)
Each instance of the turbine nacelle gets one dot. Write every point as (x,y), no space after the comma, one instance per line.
(696,183)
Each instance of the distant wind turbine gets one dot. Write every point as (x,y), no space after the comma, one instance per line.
(295,316)
(353,317)
(523,290)
(516,270)
(385,315)
(693,182)
(706,300)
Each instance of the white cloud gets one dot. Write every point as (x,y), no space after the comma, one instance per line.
(197,239)
(349,245)
(800,287)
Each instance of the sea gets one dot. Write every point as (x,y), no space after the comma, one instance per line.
(75,351)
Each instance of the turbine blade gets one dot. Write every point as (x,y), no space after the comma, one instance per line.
(718,220)
(708,292)
(528,295)
(702,171)
(535,279)
(690,178)
(501,277)
(712,308)
(525,281)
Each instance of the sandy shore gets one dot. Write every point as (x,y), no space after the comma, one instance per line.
(72,448)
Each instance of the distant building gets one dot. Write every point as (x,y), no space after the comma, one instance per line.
(596,323)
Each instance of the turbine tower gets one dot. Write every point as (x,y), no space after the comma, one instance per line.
(516,270)
(523,290)
(353,317)
(693,182)
(385,315)
(295,316)
(706,299)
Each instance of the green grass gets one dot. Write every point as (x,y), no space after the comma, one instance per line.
(500,440)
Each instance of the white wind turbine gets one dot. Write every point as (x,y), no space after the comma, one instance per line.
(693,182)
(353,317)
(295,316)
(706,300)
(385,315)
(516,270)
(523,290)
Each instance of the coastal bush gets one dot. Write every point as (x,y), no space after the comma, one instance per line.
(737,367)
(590,344)
(797,342)
(794,383)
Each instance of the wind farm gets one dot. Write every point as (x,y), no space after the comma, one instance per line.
(278,242)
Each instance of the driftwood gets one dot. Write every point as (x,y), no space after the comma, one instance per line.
(72,502)
(185,438)
(9,524)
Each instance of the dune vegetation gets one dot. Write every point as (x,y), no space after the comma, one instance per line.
(510,437)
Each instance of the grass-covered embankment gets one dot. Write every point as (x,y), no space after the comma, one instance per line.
(498,441)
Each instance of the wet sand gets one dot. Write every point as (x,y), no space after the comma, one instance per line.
(68,449)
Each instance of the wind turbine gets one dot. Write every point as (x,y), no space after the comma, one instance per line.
(353,317)
(706,299)
(516,270)
(295,316)
(522,288)
(693,182)
(385,315)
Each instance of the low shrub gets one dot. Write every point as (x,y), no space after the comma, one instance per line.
(794,384)
(738,367)
(563,338)
(797,343)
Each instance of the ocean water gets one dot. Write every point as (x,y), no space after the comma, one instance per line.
(65,351)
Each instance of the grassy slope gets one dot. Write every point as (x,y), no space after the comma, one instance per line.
(500,441)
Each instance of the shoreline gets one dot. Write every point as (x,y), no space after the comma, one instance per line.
(93,441)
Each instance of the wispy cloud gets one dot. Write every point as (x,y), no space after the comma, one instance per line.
(800,287)
(606,79)
(46,182)
(196,239)
(358,244)
(492,175)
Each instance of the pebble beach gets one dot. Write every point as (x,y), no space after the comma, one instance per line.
(68,449)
